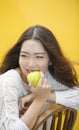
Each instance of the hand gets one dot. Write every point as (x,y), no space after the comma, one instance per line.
(42,90)
(25,101)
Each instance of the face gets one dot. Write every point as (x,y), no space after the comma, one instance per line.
(33,57)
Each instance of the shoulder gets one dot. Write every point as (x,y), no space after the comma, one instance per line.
(10,75)
(10,81)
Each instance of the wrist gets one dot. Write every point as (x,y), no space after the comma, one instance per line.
(32,95)
(41,98)
(52,97)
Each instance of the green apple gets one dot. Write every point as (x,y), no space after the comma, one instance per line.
(35,76)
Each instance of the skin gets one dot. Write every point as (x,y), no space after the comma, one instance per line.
(37,104)
(33,57)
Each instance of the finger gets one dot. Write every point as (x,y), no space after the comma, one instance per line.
(31,87)
(20,107)
(41,79)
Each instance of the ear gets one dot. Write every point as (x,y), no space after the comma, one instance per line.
(50,63)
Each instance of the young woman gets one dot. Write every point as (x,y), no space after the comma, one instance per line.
(36,49)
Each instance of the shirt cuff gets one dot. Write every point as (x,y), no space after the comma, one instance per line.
(68,98)
(20,125)
(59,97)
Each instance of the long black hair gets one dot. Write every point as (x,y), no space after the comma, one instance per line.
(61,68)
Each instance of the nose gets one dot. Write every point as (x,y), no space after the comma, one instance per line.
(31,63)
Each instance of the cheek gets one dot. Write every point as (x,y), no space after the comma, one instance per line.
(21,62)
(44,66)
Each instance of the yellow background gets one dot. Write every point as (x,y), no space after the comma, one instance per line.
(61,16)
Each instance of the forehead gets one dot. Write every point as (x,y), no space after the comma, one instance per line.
(32,45)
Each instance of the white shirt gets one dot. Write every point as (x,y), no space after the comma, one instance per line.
(12,87)
(64,95)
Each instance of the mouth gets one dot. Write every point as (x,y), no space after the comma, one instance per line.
(30,70)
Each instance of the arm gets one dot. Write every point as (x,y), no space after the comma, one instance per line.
(9,114)
(41,93)
(52,97)
(30,116)
(68,98)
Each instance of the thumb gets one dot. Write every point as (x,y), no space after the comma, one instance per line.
(31,87)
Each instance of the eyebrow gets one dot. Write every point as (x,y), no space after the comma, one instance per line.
(34,53)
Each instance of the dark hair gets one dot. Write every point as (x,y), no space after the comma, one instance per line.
(61,69)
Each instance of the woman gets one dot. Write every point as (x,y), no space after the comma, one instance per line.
(36,49)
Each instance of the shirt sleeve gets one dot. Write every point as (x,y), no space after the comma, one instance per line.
(9,112)
(69,98)
(19,125)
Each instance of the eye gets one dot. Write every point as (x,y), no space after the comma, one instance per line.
(39,57)
(23,55)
